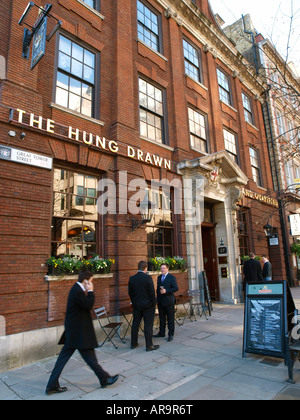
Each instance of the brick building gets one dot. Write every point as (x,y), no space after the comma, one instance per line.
(130,90)
(282,120)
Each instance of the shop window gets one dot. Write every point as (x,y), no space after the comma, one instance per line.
(160,231)
(148,26)
(151,112)
(191,61)
(198,131)
(75,83)
(75,218)
(224,87)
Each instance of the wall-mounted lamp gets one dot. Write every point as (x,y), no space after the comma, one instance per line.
(268,230)
(146,210)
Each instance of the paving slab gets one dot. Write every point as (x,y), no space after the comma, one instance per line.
(204,362)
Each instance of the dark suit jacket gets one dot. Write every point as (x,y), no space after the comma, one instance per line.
(252,271)
(170,284)
(267,270)
(141,291)
(79,329)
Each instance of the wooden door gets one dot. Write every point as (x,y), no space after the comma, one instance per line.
(210,261)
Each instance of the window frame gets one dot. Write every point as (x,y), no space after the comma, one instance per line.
(186,59)
(161,228)
(96,5)
(256,169)
(71,196)
(95,106)
(206,128)
(222,88)
(151,9)
(248,113)
(151,112)
(237,159)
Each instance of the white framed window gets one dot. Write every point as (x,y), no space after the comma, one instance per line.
(198,130)
(151,112)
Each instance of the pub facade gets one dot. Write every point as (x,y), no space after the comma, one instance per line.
(125,96)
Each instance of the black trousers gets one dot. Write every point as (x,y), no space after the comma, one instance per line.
(166,313)
(89,356)
(148,316)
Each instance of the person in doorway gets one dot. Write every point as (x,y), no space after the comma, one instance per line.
(166,287)
(252,271)
(267,269)
(79,335)
(142,294)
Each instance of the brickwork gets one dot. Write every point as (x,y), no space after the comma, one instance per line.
(26,300)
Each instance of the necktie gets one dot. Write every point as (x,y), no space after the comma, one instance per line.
(163,279)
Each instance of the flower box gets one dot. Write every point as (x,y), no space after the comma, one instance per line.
(175,263)
(66,266)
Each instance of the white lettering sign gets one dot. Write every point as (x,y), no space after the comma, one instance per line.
(25,157)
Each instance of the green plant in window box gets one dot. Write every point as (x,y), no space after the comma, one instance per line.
(175,263)
(245,258)
(69,265)
(295,249)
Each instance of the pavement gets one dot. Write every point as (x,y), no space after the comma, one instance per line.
(204,362)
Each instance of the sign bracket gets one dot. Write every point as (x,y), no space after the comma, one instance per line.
(37,32)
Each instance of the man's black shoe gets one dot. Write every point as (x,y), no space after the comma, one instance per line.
(110,381)
(170,338)
(58,390)
(134,346)
(152,348)
(158,335)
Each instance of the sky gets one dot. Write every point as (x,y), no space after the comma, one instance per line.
(271,18)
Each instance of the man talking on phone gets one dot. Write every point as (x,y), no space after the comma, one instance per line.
(79,335)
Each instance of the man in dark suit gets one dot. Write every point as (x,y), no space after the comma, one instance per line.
(166,287)
(79,334)
(142,294)
(267,269)
(252,271)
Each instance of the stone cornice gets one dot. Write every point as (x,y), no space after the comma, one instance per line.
(186,14)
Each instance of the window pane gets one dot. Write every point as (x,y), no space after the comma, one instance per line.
(64,62)
(65,45)
(61,97)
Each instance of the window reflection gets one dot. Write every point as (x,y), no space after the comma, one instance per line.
(74,224)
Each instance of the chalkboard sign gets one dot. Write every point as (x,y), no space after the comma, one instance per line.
(207,297)
(269,310)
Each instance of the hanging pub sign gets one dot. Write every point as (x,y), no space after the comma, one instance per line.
(38,32)
(39,43)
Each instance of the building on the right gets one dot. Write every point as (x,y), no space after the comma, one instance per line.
(281,106)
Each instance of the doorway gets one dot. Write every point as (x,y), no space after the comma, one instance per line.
(210,259)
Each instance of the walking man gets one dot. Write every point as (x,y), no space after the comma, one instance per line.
(142,294)
(267,269)
(79,335)
(166,287)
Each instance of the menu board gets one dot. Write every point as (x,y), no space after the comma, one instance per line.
(266,319)
(269,310)
(265,329)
